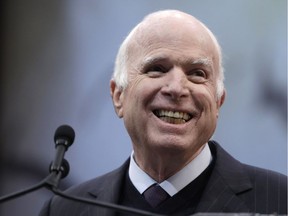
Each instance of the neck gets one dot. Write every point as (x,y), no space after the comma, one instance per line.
(160,165)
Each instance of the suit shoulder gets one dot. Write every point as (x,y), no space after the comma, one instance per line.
(228,166)
(260,190)
(266,176)
(269,193)
(99,182)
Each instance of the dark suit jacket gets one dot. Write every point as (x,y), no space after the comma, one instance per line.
(232,187)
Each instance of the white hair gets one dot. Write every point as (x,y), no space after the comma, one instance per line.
(120,74)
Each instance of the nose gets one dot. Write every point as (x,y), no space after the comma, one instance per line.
(176,85)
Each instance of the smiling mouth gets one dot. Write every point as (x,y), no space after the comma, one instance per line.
(172,117)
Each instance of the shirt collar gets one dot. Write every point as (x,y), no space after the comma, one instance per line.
(178,181)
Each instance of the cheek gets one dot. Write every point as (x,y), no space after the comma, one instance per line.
(207,121)
(134,100)
(143,90)
(206,102)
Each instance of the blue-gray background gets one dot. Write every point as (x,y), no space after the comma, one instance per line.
(58,59)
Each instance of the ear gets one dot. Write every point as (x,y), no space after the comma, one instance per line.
(117,98)
(220,102)
(222,99)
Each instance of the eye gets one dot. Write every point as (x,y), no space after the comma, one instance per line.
(199,73)
(156,70)
(197,76)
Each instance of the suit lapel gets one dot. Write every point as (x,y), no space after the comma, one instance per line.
(109,191)
(228,179)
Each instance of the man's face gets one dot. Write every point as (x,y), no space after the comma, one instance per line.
(170,103)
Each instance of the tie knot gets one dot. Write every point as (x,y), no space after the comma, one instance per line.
(155,195)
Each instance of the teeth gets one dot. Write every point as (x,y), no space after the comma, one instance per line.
(173,117)
(180,115)
(173,120)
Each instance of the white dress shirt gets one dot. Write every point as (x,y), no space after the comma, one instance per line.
(178,181)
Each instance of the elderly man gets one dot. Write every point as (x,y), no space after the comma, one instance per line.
(168,88)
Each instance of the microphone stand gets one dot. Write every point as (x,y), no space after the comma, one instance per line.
(51,180)
(59,168)
(51,183)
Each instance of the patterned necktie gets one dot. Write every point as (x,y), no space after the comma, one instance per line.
(155,195)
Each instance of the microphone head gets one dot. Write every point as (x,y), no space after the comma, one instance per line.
(64,135)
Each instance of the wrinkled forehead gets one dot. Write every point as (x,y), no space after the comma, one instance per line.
(172,32)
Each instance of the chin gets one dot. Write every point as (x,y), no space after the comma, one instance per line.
(186,141)
(174,145)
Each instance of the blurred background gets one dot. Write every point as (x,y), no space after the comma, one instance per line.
(57,60)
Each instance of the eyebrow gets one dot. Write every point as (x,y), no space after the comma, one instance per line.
(152,60)
(206,62)
(202,61)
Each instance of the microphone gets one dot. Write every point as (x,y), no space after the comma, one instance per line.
(59,168)
(63,138)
